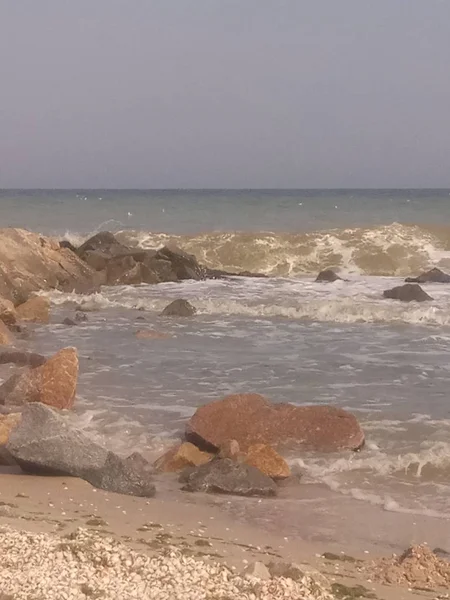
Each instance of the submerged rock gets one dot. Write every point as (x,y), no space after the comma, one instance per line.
(409,292)
(433,276)
(184,265)
(179,308)
(224,476)
(328,275)
(252,419)
(22,359)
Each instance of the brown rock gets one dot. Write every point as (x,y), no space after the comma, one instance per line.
(35,309)
(54,383)
(434,275)
(21,358)
(150,334)
(328,275)
(252,419)
(408,292)
(268,461)
(7,312)
(181,456)
(5,335)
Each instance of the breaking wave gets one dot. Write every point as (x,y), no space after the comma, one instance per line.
(396,249)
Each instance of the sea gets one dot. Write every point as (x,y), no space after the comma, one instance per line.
(284,336)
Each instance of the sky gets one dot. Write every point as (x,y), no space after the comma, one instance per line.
(224,93)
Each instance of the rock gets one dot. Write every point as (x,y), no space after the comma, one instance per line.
(224,476)
(44,442)
(219,274)
(184,265)
(257,570)
(150,334)
(181,456)
(5,335)
(179,308)
(69,322)
(68,245)
(252,419)
(433,276)
(30,262)
(268,461)
(22,359)
(81,316)
(408,292)
(230,449)
(7,425)
(35,309)
(53,383)
(104,242)
(328,275)
(8,313)
(297,572)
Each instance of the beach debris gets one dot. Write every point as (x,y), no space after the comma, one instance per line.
(409,292)
(181,456)
(252,419)
(224,476)
(328,275)
(86,565)
(179,308)
(53,383)
(36,309)
(432,276)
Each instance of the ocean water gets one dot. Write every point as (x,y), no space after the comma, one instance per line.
(286,336)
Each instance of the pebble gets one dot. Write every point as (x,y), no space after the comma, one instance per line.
(87,565)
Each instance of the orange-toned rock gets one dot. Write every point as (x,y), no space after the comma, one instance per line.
(7,424)
(268,461)
(181,456)
(150,334)
(252,419)
(53,383)
(35,309)
(7,312)
(5,335)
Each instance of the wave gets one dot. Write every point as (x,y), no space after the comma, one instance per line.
(396,249)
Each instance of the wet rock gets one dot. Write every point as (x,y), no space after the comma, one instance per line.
(252,419)
(184,265)
(5,335)
(268,461)
(68,245)
(149,334)
(8,312)
(36,309)
(53,383)
(328,275)
(181,456)
(409,292)
(104,242)
(257,570)
(224,476)
(81,316)
(219,274)
(44,442)
(69,322)
(21,359)
(433,276)
(179,308)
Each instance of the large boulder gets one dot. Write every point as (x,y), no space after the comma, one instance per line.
(53,383)
(184,265)
(36,310)
(409,292)
(21,358)
(44,442)
(104,242)
(179,308)
(252,419)
(328,275)
(225,476)
(268,461)
(8,313)
(30,262)
(433,276)
(181,456)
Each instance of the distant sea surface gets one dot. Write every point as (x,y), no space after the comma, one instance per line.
(286,336)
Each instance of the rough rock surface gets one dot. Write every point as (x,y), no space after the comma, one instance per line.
(7,425)
(328,275)
(268,461)
(46,442)
(30,262)
(181,456)
(252,419)
(53,383)
(408,292)
(5,335)
(184,265)
(7,312)
(36,309)
(433,276)
(103,242)
(21,359)
(179,308)
(225,476)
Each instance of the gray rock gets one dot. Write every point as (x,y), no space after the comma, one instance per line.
(184,265)
(22,359)
(224,476)
(408,292)
(258,570)
(179,308)
(433,276)
(45,442)
(328,275)
(81,316)
(69,322)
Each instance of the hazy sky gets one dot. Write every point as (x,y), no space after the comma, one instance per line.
(224,93)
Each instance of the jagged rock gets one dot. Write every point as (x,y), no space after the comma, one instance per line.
(268,461)
(224,476)
(184,265)
(408,292)
(252,419)
(181,456)
(328,275)
(179,308)
(36,309)
(5,335)
(44,442)
(21,359)
(68,245)
(8,312)
(53,383)
(104,242)
(433,276)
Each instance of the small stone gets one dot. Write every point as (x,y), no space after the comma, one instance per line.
(258,570)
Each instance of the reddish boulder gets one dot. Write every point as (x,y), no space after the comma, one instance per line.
(252,419)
